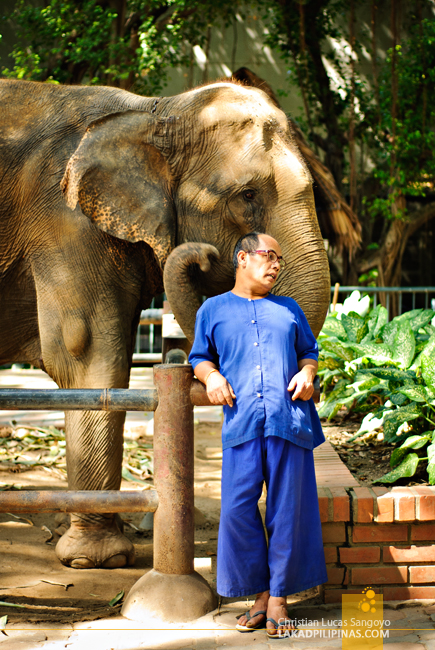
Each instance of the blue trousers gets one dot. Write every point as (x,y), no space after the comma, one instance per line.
(293,559)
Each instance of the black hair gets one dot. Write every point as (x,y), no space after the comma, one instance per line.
(245,243)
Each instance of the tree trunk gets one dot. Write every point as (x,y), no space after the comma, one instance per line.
(335,140)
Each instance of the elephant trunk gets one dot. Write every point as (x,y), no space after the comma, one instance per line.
(179,281)
(306,275)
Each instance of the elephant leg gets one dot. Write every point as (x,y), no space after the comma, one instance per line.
(94,459)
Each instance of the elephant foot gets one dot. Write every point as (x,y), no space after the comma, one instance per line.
(91,545)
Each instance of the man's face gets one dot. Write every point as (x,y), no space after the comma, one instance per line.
(256,269)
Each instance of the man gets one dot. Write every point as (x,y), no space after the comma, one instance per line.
(257,356)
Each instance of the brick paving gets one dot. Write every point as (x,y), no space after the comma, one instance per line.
(410,627)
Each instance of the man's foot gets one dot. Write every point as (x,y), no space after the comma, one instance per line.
(277,610)
(259,605)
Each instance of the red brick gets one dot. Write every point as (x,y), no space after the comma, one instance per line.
(362,505)
(335,575)
(423,532)
(335,595)
(385,505)
(421,574)
(425,502)
(323,496)
(380,491)
(379,575)
(356,554)
(341,504)
(330,554)
(407,593)
(404,504)
(333,533)
(409,554)
(380,533)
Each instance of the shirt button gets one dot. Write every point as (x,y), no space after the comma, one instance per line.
(252,321)
(255,343)
(249,300)
(258,394)
(258,367)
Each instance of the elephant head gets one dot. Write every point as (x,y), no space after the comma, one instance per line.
(210,165)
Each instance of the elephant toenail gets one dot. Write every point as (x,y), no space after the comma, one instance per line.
(82,563)
(115,562)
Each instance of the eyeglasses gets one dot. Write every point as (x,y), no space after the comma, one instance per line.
(273,257)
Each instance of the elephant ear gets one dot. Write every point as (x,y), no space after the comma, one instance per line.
(120,177)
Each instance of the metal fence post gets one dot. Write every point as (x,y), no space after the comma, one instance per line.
(172,590)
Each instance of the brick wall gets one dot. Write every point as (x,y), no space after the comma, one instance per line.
(379,537)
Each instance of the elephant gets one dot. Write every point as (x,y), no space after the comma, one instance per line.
(108,198)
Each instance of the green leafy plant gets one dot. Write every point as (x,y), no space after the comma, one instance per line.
(386,371)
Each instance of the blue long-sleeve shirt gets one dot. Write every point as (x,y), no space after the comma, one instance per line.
(256,344)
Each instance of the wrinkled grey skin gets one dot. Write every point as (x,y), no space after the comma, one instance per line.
(96,192)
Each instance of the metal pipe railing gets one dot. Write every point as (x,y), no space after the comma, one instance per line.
(83,501)
(389,291)
(79,399)
(348,289)
(91,399)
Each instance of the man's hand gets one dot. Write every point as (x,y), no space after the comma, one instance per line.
(302,382)
(219,391)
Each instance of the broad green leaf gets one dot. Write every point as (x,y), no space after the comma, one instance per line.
(3,621)
(377,353)
(333,327)
(338,349)
(394,420)
(403,347)
(406,468)
(392,374)
(413,442)
(431,472)
(329,362)
(421,320)
(388,332)
(428,370)
(398,399)
(377,318)
(365,384)
(339,396)
(409,315)
(414,393)
(356,328)
(428,349)
(431,453)
(330,407)
(119,596)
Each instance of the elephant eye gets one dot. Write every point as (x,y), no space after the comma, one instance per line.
(249,195)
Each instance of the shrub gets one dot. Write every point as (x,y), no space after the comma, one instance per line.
(385,371)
